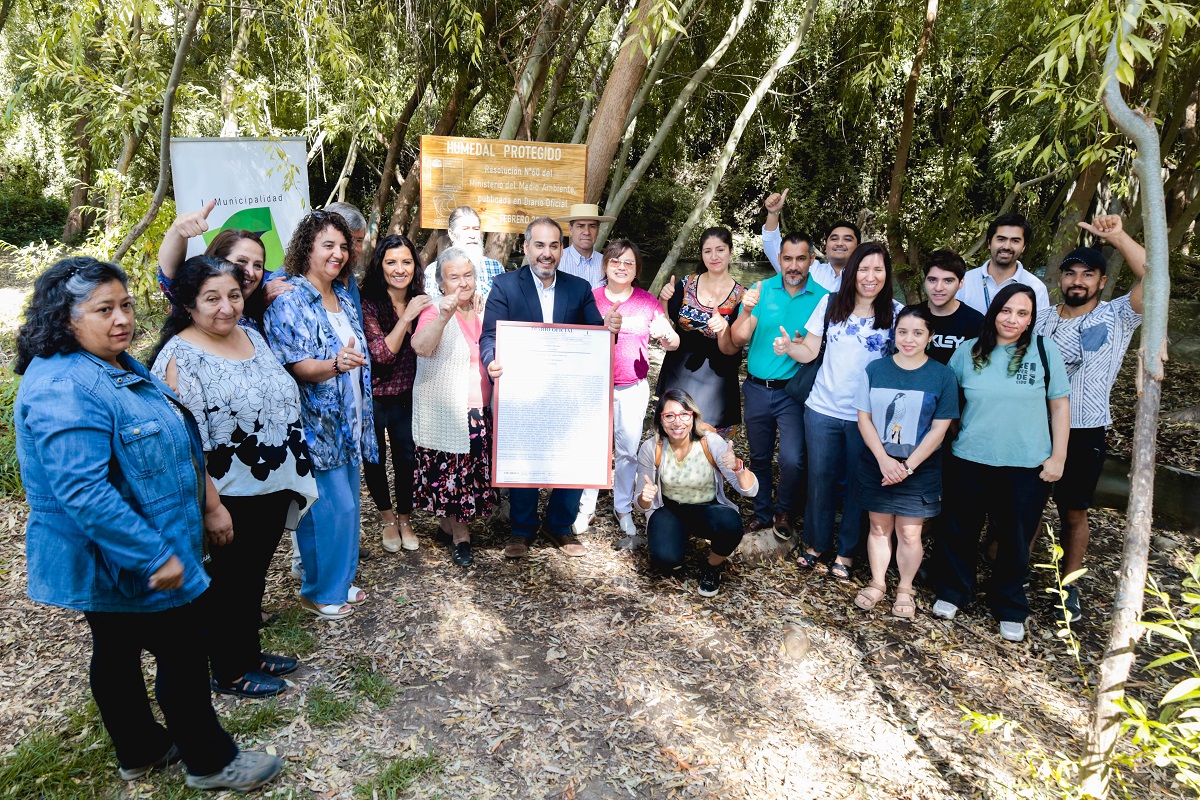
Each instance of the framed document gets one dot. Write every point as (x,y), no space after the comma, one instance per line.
(553,422)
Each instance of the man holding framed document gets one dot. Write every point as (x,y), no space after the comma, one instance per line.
(575,364)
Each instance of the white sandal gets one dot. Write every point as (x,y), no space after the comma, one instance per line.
(408,537)
(393,544)
(332,611)
(352,596)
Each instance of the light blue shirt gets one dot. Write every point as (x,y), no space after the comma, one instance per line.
(979,288)
(591,269)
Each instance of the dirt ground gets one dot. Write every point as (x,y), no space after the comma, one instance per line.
(591,678)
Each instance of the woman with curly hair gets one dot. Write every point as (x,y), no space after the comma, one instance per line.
(248,409)
(393,297)
(315,333)
(1016,419)
(118,507)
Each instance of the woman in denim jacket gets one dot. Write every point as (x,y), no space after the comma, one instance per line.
(316,334)
(118,506)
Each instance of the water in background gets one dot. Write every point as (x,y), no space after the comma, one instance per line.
(744,272)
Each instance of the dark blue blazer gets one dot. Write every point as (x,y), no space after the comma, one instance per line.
(514,297)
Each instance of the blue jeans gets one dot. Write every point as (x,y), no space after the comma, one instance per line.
(834,449)
(669,527)
(770,412)
(561,510)
(327,537)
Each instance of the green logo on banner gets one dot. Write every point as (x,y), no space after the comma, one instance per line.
(255,220)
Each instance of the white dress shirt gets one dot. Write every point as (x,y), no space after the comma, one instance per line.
(979,288)
(591,269)
(546,296)
(821,272)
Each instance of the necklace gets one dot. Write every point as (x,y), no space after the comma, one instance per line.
(713,295)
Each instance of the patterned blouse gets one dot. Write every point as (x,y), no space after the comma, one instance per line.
(298,328)
(249,417)
(392,373)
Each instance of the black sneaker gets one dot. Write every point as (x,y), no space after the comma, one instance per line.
(1071,604)
(462,555)
(134,773)
(709,580)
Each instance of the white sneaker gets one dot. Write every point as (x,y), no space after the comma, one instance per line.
(1013,631)
(582,522)
(945,610)
(626,524)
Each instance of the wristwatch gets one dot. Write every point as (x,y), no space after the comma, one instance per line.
(907,469)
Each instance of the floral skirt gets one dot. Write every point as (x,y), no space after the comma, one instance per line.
(458,485)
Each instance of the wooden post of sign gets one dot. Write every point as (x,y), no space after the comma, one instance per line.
(508,183)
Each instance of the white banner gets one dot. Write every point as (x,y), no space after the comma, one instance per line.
(260,185)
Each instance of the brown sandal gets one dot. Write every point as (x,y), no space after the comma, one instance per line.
(869,596)
(905,604)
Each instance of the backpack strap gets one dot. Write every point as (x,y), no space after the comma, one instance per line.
(1045,361)
(707,453)
(657,452)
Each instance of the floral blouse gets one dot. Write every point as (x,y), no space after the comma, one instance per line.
(248,412)
(298,328)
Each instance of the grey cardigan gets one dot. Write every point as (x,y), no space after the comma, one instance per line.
(716,445)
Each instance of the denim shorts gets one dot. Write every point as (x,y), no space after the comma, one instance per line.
(919,495)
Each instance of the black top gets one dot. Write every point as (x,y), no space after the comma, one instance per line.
(951,331)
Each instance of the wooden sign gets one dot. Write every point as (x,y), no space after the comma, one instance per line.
(508,183)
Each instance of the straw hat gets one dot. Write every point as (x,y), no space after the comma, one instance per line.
(587,211)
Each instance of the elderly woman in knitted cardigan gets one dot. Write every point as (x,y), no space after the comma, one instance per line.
(451,416)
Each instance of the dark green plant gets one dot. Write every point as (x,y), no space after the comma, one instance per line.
(398,776)
(10,470)
(26,214)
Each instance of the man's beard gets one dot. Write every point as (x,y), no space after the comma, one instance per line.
(1076,300)
(474,252)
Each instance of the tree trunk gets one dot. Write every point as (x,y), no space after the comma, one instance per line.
(230,76)
(524,96)
(1183,223)
(735,135)
(80,216)
(168,112)
(895,235)
(1118,658)
(412,182)
(585,109)
(617,201)
(608,123)
(339,186)
(562,71)
(1066,235)
(399,133)
(5,7)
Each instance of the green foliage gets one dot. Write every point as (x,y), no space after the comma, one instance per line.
(73,762)
(1172,737)
(26,215)
(251,720)
(398,776)
(10,469)
(323,707)
(290,633)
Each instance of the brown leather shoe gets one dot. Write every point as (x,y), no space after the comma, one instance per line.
(569,544)
(756,526)
(783,528)
(517,547)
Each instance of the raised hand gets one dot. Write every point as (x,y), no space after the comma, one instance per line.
(667,291)
(612,320)
(648,493)
(448,305)
(750,299)
(783,342)
(1105,227)
(194,223)
(728,459)
(774,202)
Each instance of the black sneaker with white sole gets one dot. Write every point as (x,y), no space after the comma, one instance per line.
(134,773)
(1071,605)
(709,580)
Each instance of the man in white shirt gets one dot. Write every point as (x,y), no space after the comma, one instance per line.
(581,259)
(1092,336)
(1007,238)
(840,242)
(463,230)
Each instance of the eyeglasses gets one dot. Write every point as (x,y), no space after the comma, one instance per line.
(682,416)
(616,261)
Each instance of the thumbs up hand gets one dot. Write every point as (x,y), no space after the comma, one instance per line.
(750,298)
(612,320)
(774,202)
(783,342)
(649,491)
(717,324)
(349,358)
(194,223)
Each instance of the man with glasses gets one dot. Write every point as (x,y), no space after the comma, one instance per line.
(784,302)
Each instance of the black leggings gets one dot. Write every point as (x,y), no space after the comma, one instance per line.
(393,416)
(174,638)
(239,579)
(669,528)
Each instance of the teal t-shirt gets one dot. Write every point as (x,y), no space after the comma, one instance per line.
(776,307)
(1005,420)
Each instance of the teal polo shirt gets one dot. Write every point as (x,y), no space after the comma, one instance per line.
(776,307)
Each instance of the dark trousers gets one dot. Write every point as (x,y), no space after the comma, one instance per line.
(175,640)
(239,574)
(835,448)
(561,510)
(670,526)
(393,416)
(1012,499)
(770,413)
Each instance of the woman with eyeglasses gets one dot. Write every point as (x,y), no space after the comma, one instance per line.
(641,319)
(681,477)
(1016,420)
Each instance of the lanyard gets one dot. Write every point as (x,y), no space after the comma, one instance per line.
(987,296)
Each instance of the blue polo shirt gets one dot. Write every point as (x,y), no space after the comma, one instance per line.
(777,307)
